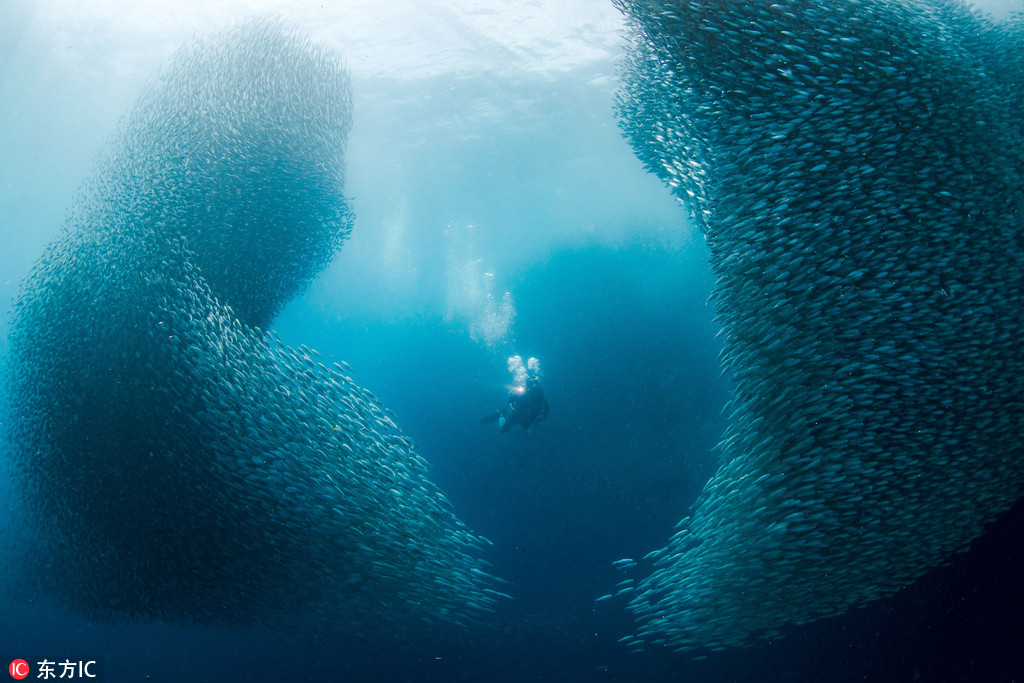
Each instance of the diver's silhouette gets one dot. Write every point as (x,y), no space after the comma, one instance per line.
(526,406)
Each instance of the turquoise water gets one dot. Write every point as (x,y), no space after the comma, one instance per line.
(482,161)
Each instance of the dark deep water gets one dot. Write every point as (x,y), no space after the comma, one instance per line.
(627,446)
(610,293)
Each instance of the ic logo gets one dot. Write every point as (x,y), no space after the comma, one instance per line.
(19,669)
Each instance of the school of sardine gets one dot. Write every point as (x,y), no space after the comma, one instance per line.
(179,462)
(857,169)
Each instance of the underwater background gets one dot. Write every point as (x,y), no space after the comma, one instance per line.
(498,211)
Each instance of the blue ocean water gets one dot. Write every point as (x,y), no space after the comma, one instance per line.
(468,184)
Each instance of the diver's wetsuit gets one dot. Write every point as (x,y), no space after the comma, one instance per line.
(524,408)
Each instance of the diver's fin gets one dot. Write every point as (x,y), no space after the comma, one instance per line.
(490,418)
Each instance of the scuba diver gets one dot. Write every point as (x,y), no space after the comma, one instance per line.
(526,402)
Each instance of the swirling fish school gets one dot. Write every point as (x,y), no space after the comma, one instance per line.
(857,169)
(178,462)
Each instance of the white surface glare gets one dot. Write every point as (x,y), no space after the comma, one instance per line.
(402,39)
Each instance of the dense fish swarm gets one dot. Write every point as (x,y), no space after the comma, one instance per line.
(856,167)
(178,462)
